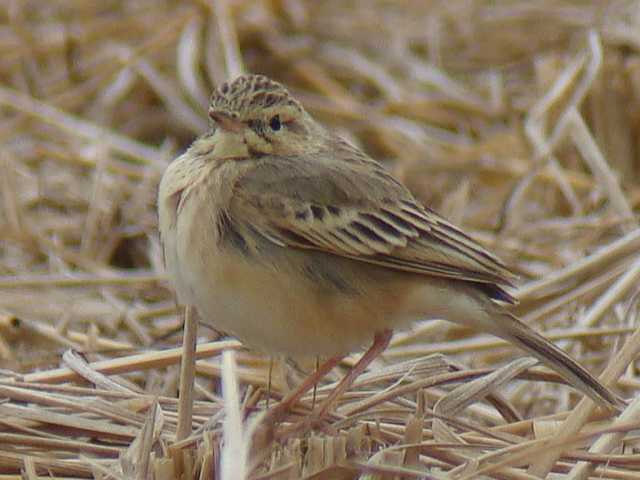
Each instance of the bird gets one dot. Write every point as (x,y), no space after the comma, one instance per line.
(286,236)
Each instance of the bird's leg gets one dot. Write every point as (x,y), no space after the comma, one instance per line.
(278,411)
(269,381)
(380,343)
(315,387)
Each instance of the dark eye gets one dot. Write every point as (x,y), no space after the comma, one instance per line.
(274,123)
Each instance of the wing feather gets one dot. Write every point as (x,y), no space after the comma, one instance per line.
(359,214)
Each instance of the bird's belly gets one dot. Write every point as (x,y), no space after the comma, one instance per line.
(278,313)
(268,303)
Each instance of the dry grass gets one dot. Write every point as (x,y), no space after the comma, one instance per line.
(517,119)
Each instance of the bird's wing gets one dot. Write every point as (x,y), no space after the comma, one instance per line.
(357,210)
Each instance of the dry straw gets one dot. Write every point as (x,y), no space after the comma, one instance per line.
(517,119)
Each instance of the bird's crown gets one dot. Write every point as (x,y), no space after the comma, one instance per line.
(244,95)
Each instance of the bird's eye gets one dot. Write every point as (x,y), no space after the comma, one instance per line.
(275,123)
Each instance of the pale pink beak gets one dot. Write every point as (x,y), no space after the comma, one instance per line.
(225,122)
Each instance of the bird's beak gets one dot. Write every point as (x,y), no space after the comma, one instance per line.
(225,121)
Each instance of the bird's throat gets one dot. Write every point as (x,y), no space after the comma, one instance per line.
(229,145)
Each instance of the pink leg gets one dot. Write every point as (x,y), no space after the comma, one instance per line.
(279,410)
(380,343)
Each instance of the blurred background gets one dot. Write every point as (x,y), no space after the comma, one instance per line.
(518,120)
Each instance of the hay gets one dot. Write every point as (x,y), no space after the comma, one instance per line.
(518,120)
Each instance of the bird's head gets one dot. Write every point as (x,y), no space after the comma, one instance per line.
(253,116)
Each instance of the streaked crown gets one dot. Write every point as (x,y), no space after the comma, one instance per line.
(240,97)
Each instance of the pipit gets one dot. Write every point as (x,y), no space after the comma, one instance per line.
(296,242)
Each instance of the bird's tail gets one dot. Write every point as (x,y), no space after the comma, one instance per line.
(513,329)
